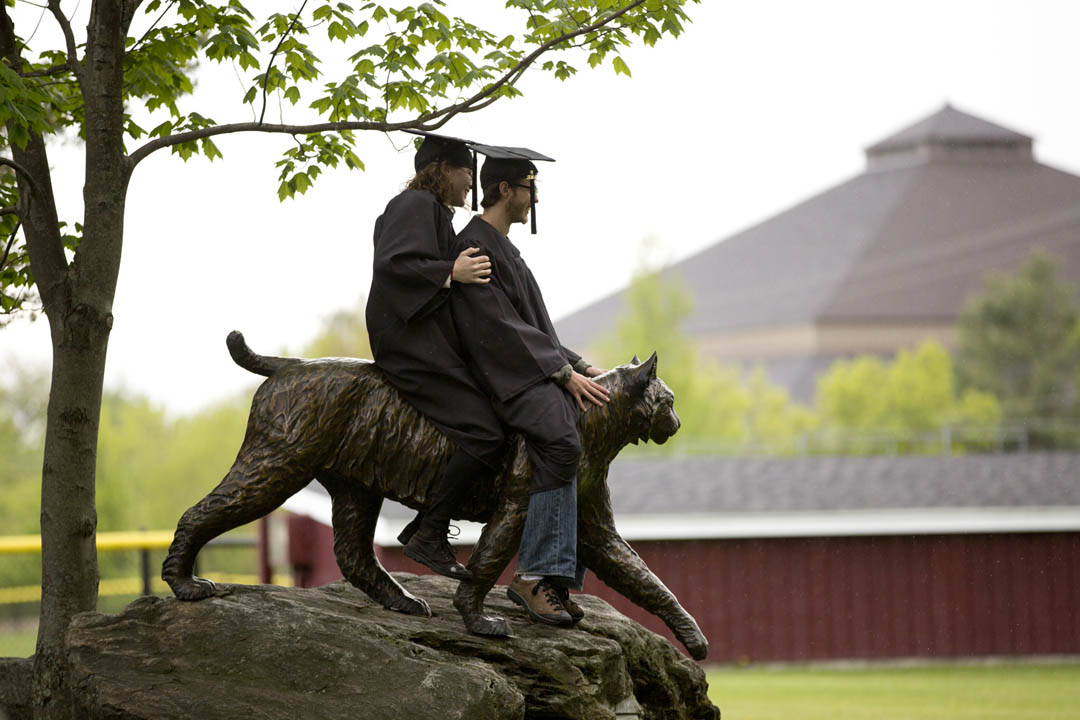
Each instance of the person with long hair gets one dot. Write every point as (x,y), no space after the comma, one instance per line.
(414,341)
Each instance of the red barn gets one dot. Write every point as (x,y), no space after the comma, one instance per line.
(824,558)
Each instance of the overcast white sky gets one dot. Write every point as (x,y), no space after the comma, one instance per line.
(757,107)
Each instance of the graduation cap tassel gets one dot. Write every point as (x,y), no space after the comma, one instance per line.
(532,205)
(474,206)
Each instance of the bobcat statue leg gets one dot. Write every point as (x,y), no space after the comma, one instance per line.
(355,514)
(248,492)
(618,566)
(497,545)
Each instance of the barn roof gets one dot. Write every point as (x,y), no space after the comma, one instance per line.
(686,498)
(941,203)
(845,483)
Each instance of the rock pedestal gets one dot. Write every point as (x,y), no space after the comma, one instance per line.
(330,652)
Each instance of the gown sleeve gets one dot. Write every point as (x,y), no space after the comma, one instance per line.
(507,354)
(409,263)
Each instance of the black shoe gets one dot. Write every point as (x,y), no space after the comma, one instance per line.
(433,550)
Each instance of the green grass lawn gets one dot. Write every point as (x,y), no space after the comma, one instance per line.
(18,642)
(937,692)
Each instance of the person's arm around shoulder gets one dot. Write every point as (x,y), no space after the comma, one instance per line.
(470,268)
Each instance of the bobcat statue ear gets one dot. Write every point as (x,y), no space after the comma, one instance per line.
(647,369)
(634,360)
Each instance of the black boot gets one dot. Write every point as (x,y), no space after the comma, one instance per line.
(409,530)
(425,537)
(429,546)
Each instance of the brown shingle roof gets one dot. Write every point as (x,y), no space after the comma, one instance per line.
(704,485)
(950,126)
(905,243)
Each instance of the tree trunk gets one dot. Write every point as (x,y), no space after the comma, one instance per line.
(79,308)
(69,570)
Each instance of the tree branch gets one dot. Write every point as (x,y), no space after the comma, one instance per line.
(21,171)
(528,60)
(45,72)
(206,132)
(273,55)
(431,121)
(69,38)
(130,7)
(151,28)
(10,242)
(12,210)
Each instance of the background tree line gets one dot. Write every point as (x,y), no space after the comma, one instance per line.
(151,466)
(1014,377)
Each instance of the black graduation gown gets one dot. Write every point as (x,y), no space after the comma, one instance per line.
(512,347)
(504,325)
(412,334)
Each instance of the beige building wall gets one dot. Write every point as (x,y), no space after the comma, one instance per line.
(829,339)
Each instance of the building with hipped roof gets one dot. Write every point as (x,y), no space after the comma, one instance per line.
(878,263)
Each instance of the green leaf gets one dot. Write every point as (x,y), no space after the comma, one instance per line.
(620,66)
(210,150)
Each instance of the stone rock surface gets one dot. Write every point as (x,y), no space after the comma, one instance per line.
(330,652)
(16,675)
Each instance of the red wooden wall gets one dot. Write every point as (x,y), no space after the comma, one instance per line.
(824,598)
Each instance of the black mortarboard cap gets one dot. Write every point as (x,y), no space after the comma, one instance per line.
(511,164)
(503,163)
(442,147)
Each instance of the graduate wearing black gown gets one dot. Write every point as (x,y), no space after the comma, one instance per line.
(414,341)
(412,335)
(510,342)
(538,388)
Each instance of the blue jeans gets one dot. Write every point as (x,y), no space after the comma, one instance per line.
(549,540)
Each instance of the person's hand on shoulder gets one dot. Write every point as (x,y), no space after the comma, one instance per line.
(471,268)
(582,388)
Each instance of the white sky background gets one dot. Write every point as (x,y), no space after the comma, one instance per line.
(757,107)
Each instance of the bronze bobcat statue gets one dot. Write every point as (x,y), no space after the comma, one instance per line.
(339,421)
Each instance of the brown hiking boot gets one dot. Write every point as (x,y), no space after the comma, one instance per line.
(541,601)
(575,611)
(432,549)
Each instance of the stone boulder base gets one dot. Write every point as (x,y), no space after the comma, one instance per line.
(330,652)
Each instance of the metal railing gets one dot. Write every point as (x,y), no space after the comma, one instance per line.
(141,540)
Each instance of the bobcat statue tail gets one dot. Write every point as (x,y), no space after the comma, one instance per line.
(246,358)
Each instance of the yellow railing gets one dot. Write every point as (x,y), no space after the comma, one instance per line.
(113,541)
(130,540)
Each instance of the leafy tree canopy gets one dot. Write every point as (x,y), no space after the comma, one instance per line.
(913,394)
(413,66)
(1020,340)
